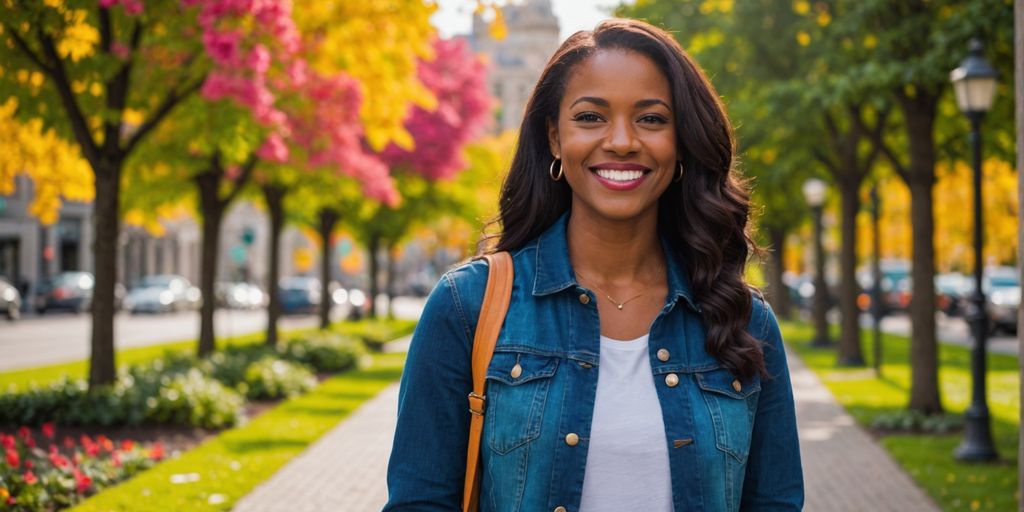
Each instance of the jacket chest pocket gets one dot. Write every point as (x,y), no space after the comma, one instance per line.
(732,405)
(517,390)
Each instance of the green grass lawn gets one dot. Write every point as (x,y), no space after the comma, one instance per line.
(233,463)
(928,458)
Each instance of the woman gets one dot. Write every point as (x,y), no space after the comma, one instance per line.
(635,369)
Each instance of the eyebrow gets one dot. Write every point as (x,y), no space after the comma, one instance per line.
(604,103)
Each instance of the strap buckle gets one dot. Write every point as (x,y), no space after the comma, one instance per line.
(477,403)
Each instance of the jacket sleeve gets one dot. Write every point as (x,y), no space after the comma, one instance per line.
(774,477)
(428,457)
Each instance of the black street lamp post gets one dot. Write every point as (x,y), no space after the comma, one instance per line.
(877,308)
(814,192)
(975,83)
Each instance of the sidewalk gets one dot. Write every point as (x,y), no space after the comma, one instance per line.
(844,469)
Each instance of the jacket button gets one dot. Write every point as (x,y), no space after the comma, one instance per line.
(671,380)
(663,355)
(584,299)
(560,509)
(572,439)
(737,386)
(516,371)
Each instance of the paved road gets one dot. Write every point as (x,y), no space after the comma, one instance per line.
(58,338)
(951,330)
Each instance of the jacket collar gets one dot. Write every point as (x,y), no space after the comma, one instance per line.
(555,273)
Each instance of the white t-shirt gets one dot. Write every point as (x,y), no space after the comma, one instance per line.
(627,459)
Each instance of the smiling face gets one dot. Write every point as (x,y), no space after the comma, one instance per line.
(616,136)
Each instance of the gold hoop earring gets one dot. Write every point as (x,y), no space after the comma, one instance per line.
(679,177)
(551,170)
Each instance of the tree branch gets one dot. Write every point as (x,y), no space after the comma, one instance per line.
(24,47)
(118,88)
(79,125)
(829,164)
(878,141)
(106,29)
(173,98)
(243,178)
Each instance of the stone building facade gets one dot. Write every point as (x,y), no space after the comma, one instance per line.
(517,60)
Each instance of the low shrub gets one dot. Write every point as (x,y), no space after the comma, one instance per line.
(46,475)
(181,389)
(375,333)
(196,399)
(916,421)
(276,378)
(325,352)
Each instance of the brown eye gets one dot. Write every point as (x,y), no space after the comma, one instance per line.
(586,117)
(652,118)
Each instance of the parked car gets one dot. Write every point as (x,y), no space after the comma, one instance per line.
(162,293)
(69,291)
(1002,297)
(10,300)
(896,288)
(239,295)
(299,295)
(951,288)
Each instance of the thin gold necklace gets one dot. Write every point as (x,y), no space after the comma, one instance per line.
(617,303)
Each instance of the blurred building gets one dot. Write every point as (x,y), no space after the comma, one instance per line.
(517,60)
(31,252)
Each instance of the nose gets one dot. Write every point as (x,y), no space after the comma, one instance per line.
(621,138)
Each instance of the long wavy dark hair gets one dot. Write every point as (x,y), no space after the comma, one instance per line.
(703,216)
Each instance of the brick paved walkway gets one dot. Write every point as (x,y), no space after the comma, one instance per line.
(844,469)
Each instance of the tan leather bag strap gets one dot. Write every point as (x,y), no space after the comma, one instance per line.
(492,315)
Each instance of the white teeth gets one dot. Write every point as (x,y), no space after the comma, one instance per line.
(616,175)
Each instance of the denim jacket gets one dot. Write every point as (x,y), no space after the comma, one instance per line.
(732,443)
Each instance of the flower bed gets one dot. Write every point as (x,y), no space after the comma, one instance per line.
(49,475)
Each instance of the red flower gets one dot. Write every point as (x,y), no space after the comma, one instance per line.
(24,432)
(91,448)
(29,464)
(8,442)
(116,459)
(30,442)
(12,458)
(30,479)
(68,442)
(49,430)
(12,501)
(127,445)
(53,449)
(156,452)
(59,461)
(83,481)
(107,444)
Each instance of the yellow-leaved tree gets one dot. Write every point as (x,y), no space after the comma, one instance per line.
(378,43)
(55,167)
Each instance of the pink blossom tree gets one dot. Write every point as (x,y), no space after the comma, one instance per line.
(457,78)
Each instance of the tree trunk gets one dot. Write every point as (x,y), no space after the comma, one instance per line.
(849,339)
(372,246)
(212,209)
(390,283)
(106,218)
(778,295)
(274,196)
(328,219)
(919,113)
